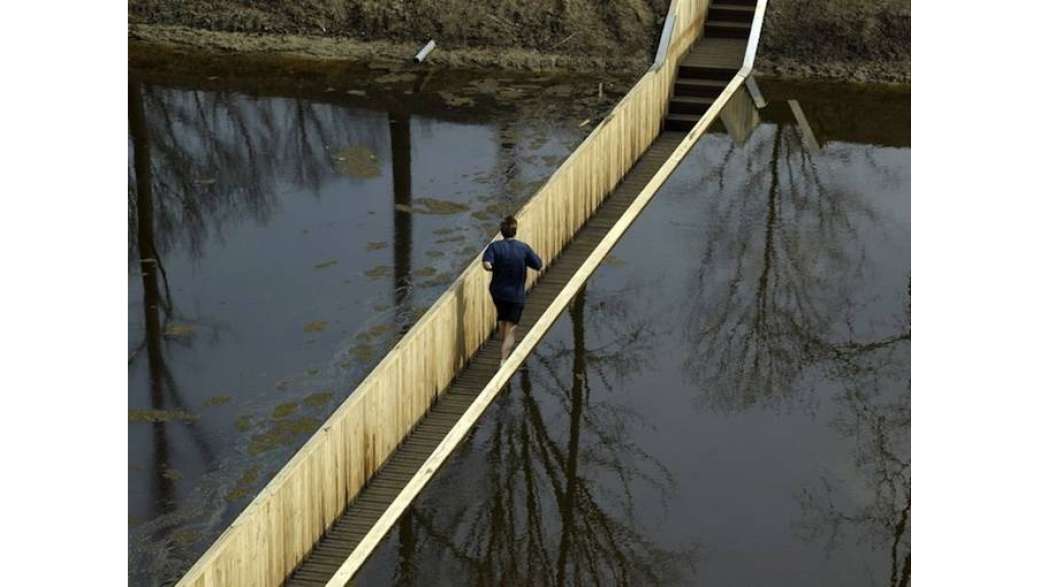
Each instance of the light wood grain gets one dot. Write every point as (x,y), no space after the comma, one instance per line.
(285,520)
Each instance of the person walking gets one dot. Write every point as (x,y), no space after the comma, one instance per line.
(508,261)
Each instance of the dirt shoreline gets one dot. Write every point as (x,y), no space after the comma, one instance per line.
(842,40)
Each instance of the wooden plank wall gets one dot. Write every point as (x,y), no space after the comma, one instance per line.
(280,526)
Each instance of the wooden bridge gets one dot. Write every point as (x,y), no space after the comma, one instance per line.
(327,510)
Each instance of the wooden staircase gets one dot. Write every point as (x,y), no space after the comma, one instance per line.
(711,63)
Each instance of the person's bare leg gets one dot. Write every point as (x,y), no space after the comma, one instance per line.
(508,329)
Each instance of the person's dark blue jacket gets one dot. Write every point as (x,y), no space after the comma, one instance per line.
(509,259)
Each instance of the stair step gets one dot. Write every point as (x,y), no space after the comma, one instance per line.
(727,29)
(690,72)
(681,122)
(690,104)
(751,3)
(731,13)
(699,87)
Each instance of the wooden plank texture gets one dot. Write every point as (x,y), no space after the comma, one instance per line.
(450,408)
(285,521)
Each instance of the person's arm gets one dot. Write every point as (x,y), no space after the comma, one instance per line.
(489,258)
(533,260)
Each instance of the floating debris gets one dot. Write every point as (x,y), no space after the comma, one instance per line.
(453,100)
(281,433)
(378,272)
(325,264)
(243,423)
(375,332)
(425,271)
(318,399)
(356,161)
(177,330)
(362,352)
(433,206)
(217,400)
(161,416)
(185,536)
(283,410)
(375,246)
(442,279)
(315,326)
(242,486)
(396,78)
(434,254)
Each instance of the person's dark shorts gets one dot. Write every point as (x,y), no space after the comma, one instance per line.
(509,311)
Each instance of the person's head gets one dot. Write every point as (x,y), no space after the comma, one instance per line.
(508,227)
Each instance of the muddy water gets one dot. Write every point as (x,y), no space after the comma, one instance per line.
(728,401)
(286,242)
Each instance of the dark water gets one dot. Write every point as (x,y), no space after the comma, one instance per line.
(290,240)
(728,401)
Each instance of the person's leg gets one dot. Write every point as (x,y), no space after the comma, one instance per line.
(508,332)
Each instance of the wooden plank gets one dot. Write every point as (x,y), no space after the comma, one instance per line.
(808,138)
(292,512)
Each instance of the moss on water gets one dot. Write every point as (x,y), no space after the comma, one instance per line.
(281,433)
(357,162)
(318,399)
(161,416)
(185,536)
(177,330)
(437,206)
(245,482)
(243,423)
(217,400)
(325,264)
(378,272)
(362,352)
(375,246)
(315,326)
(286,409)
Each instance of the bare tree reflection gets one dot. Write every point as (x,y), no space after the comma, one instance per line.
(219,157)
(547,508)
(777,278)
(875,413)
(775,295)
(157,307)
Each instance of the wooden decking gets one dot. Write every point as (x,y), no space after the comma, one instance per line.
(362,514)
(716,53)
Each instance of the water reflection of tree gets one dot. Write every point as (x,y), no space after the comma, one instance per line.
(775,296)
(158,309)
(539,512)
(875,413)
(778,277)
(217,157)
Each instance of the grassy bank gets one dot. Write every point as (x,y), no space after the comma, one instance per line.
(837,39)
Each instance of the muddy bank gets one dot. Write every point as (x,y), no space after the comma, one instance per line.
(852,40)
